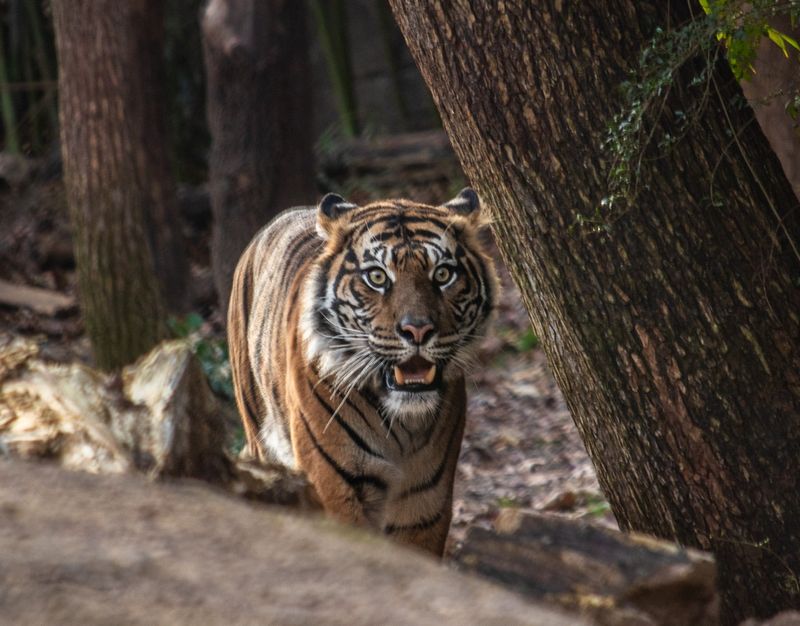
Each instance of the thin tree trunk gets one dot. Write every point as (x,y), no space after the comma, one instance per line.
(118,186)
(259,114)
(673,332)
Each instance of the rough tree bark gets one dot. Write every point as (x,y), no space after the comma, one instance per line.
(259,114)
(119,190)
(674,334)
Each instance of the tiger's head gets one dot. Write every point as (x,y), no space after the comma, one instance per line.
(399,298)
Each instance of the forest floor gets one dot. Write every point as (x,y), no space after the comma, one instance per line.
(521,448)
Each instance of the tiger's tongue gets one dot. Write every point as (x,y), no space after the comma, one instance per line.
(415,371)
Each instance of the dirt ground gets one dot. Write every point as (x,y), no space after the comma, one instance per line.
(521,448)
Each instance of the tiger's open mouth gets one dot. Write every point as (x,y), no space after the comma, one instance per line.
(415,374)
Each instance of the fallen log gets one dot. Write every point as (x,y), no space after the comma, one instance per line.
(44,301)
(376,165)
(158,416)
(601,571)
(390,152)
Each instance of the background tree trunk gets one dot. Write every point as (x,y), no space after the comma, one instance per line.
(673,332)
(259,114)
(775,82)
(120,193)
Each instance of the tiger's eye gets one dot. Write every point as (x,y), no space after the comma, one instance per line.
(442,274)
(376,277)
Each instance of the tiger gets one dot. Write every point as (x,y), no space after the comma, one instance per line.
(350,331)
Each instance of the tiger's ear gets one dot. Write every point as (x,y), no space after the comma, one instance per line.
(466,204)
(330,211)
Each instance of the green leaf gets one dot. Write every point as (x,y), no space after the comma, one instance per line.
(528,341)
(781,39)
(791,41)
(792,107)
(777,39)
(193,322)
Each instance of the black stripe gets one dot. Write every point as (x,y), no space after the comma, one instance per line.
(360,413)
(386,235)
(408,433)
(437,475)
(416,219)
(244,298)
(354,436)
(251,404)
(485,282)
(426,437)
(293,258)
(291,253)
(365,213)
(423,525)
(424,232)
(413,219)
(375,403)
(396,220)
(395,210)
(355,482)
(250,400)
(322,286)
(394,436)
(336,282)
(298,244)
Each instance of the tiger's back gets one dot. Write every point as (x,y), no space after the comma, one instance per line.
(349,328)
(261,298)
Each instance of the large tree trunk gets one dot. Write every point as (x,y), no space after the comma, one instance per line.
(674,332)
(120,193)
(259,114)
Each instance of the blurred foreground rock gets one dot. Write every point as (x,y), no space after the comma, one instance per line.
(617,579)
(82,549)
(158,417)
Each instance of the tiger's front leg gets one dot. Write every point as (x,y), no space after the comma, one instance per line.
(348,494)
(430,539)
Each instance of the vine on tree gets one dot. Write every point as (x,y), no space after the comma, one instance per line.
(734,28)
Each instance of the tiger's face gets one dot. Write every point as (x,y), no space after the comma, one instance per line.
(399,299)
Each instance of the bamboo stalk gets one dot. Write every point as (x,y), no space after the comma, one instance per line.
(6,102)
(387,23)
(30,105)
(32,85)
(331,20)
(46,72)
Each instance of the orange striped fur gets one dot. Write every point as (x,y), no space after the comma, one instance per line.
(350,329)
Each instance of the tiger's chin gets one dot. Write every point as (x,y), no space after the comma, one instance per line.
(412,408)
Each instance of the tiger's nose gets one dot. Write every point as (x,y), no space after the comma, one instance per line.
(415,330)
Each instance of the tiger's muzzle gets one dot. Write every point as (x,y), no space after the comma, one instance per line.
(414,374)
